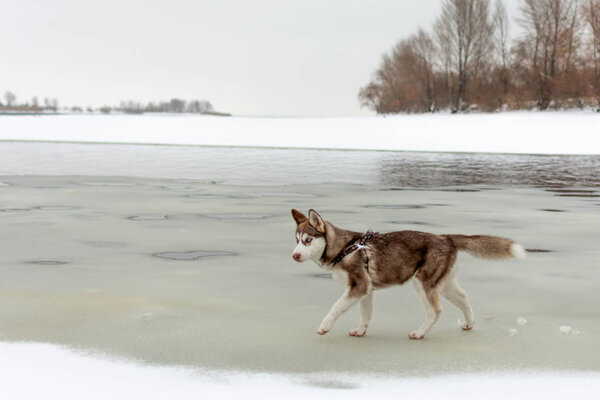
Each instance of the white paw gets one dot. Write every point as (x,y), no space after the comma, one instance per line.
(467,326)
(416,335)
(325,327)
(358,332)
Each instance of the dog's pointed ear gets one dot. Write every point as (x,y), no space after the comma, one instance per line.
(315,220)
(298,216)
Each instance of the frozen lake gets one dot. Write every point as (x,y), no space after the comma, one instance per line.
(180,255)
(187,272)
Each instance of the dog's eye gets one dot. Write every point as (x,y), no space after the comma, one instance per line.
(308,240)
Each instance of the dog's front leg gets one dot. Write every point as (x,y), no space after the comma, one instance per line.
(366,312)
(344,303)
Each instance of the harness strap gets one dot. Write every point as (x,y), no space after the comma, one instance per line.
(358,245)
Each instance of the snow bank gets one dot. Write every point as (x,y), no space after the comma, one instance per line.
(41,371)
(513,132)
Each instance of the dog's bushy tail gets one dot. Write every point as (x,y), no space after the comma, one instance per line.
(488,246)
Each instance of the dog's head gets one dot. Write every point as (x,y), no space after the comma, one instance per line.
(310,236)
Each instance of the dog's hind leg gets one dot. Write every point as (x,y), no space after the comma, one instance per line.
(366,312)
(347,300)
(457,296)
(431,300)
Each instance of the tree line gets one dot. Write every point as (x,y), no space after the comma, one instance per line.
(10,102)
(470,61)
(172,106)
(130,107)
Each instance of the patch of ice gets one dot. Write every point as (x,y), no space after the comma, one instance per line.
(566,329)
(512,331)
(148,217)
(107,184)
(56,208)
(179,188)
(569,330)
(521,321)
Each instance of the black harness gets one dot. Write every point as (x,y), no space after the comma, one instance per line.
(357,245)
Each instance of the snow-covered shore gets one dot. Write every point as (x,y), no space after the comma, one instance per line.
(36,371)
(511,132)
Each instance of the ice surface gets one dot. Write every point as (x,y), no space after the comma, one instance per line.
(193,255)
(258,311)
(511,132)
(149,217)
(521,321)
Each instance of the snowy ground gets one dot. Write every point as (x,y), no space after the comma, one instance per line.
(514,132)
(41,371)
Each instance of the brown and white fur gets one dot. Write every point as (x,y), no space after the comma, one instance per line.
(393,259)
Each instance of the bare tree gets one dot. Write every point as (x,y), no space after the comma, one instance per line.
(471,60)
(11,98)
(200,107)
(131,107)
(464,33)
(548,42)
(405,80)
(501,42)
(384,93)
(177,105)
(422,51)
(572,36)
(591,14)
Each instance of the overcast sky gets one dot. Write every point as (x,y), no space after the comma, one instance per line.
(254,57)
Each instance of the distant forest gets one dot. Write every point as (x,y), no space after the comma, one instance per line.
(11,105)
(470,60)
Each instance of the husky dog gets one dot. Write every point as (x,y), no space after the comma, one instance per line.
(365,262)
